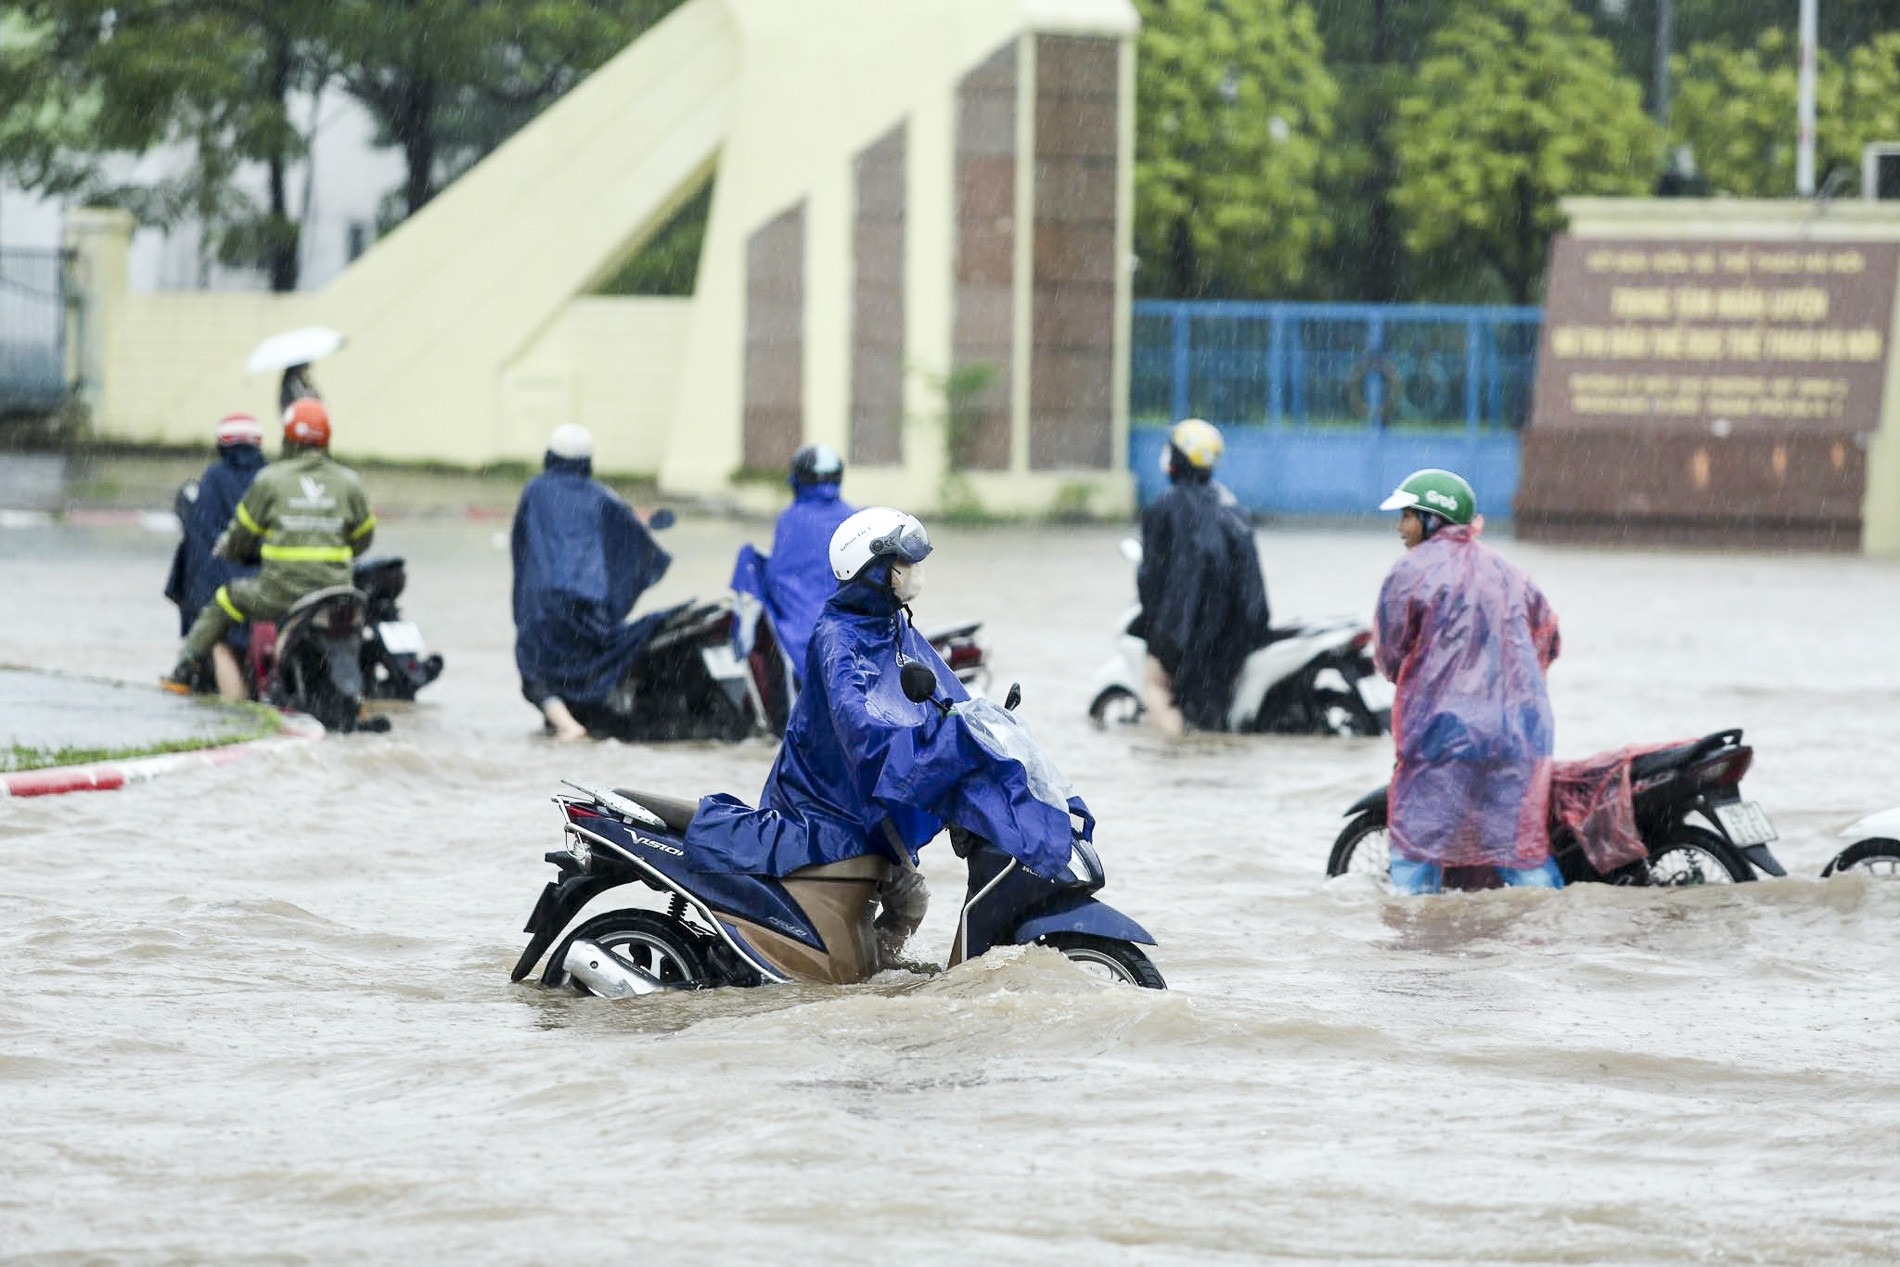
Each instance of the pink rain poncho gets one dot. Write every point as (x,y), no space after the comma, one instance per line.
(1467,637)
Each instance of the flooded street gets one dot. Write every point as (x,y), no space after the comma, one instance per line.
(262,1012)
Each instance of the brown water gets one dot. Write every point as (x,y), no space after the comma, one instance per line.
(262,1012)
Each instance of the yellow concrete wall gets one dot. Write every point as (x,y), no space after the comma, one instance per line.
(470,335)
(797,125)
(612,365)
(1738,219)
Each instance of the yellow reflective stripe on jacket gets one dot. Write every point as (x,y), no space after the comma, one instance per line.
(251,525)
(223,597)
(307,554)
(363,527)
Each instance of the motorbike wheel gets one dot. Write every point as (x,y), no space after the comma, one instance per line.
(1118,961)
(1361,849)
(1694,855)
(1115,706)
(1878,857)
(657,945)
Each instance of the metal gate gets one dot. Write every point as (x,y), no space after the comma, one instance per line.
(33,377)
(1325,407)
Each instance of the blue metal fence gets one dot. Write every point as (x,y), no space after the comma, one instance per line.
(1326,406)
(32,331)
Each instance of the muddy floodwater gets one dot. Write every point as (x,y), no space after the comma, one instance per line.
(262,1012)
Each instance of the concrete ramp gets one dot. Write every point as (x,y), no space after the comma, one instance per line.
(436,310)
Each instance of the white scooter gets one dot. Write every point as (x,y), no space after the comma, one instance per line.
(1876,847)
(1315,678)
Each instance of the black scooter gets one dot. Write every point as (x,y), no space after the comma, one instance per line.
(1670,789)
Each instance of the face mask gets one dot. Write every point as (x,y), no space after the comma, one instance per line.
(907,581)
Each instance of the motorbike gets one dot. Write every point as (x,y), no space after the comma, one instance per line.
(721,929)
(318,658)
(1671,789)
(716,670)
(1875,850)
(1314,677)
(396,661)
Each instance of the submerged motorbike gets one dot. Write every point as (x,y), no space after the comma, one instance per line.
(1670,789)
(328,653)
(716,670)
(1314,678)
(722,929)
(1875,850)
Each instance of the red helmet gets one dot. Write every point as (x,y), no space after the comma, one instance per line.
(307,422)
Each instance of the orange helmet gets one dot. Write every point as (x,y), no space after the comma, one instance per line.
(307,422)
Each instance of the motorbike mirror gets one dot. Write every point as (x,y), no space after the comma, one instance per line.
(1131,549)
(920,684)
(661,519)
(1014,697)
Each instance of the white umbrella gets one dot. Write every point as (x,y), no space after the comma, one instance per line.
(293,347)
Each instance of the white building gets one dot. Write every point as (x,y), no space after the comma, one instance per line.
(339,191)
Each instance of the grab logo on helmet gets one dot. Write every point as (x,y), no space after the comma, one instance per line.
(1445,500)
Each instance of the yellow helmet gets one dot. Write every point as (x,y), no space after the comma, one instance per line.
(1197,441)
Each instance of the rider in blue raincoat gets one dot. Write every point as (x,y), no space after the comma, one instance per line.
(798,578)
(196,571)
(1467,638)
(865,770)
(582,558)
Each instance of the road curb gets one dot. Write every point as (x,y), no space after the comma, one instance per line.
(109,776)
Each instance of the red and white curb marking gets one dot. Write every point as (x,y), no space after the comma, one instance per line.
(107,776)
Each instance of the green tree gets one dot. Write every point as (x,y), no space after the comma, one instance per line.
(1515,106)
(88,85)
(1735,110)
(1233,113)
(1372,49)
(449,80)
(1871,104)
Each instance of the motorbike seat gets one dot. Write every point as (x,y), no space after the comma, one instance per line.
(949,632)
(1664,759)
(324,595)
(676,812)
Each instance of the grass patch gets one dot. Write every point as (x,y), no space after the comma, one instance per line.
(249,721)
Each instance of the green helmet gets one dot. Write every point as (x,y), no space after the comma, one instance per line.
(1437,492)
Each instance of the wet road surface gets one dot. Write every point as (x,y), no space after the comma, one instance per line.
(262,1012)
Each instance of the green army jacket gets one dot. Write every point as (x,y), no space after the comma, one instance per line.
(305,515)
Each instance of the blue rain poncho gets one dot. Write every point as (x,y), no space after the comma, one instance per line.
(797,577)
(859,753)
(582,559)
(1467,638)
(196,572)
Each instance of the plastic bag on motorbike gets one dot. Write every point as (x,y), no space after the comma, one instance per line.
(1593,798)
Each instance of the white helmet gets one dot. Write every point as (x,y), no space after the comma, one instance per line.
(571,440)
(872,532)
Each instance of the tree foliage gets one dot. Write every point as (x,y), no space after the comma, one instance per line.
(449,80)
(1233,114)
(87,86)
(1516,105)
(1735,110)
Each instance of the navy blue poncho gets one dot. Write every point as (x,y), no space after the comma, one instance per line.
(196,573)
(582,559)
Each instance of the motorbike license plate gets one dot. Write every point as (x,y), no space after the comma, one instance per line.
(1746,823)
(401,637)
